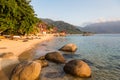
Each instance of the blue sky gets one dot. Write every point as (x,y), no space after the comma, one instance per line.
(77,12)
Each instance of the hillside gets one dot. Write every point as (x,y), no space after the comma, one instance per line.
(63,26)
(106,27)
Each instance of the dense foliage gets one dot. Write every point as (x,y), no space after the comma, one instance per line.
(17,17)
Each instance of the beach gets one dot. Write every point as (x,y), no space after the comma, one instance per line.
(97,51)
(17,48)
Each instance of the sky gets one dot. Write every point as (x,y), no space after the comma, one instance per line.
(78,12)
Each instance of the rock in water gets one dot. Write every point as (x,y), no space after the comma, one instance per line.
(43,63)
(41,58)
(55,57)
(77,68)
(26,71)
(69,48)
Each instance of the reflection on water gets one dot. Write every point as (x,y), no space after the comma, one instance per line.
(101,52)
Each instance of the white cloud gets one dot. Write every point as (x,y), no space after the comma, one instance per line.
(101,20)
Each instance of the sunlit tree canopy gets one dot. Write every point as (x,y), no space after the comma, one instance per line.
(17,17)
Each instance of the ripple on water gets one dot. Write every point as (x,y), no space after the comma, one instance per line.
(88,62)
(114,57)
(55,72)
(72,56)
(101,52)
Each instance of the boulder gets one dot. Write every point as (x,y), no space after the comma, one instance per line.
(43,63)
(29,70)
(69,48)
(55,57)
(77,68)
(41,58)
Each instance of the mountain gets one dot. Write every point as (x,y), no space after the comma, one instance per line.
(104,27)
(63,26)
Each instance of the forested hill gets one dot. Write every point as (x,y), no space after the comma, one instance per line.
(63,26)
(104,27)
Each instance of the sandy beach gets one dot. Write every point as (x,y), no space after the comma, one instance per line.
(18,47)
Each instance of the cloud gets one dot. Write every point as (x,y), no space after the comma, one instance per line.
(101,20)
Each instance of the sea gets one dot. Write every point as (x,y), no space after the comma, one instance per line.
(100,51)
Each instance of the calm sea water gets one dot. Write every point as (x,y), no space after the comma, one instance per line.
(101,52)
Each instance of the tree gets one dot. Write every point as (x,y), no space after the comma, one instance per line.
(17,17)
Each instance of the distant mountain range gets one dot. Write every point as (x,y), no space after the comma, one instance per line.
(103,27)
(63,26)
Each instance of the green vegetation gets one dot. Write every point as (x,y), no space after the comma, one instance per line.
(17,17)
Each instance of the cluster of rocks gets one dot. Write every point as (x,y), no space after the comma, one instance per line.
(30,70)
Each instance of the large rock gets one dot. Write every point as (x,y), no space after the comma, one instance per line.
(26,71)
(43,63)
(55,57)
(69,48)
(77,68)
(41,58)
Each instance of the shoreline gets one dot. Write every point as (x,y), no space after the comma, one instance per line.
(19,47)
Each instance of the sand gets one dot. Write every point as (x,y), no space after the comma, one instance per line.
(18,47)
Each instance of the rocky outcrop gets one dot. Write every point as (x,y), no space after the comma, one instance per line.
(43,63)
(26,71)
(41,58)
(77,68)
(55,57)
(69,48)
